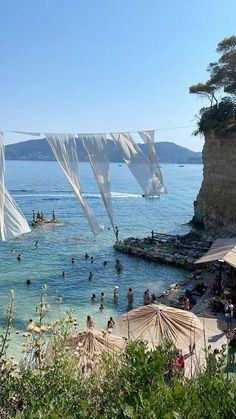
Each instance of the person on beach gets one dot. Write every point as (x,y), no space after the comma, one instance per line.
(146,297)
(86,256)
(19,258)
(180,361)
(228,309)
(101,307)
(117,233)
(102,296)
(186,303)
(90,276)
(90,324)
(28,283)
(110,323)
(130,297)
(118,266)
(232,348)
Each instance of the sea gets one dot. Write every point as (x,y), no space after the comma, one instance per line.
(41,186)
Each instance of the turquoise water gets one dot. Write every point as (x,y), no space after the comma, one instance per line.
(42,186)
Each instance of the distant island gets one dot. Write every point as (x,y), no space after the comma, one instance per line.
(40,150)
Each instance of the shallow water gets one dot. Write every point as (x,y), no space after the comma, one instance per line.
(42,186)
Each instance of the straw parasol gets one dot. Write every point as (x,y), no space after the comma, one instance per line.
(156,323)
(90,344)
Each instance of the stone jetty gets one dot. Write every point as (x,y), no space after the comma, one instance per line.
(180,251)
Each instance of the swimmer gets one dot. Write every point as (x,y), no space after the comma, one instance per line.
(102,296)
(116,293)
(63,274)
(73,260)
(28,283)
(118,265)
(101,307)
(93,298)
(58,298)
(92,259)
(104,263)
(36,243)
(90,276)
(13,251)
(86,256)
(19,258)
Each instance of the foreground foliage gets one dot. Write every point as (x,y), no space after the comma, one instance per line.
(135,384)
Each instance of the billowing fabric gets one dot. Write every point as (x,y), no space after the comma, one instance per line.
(96,148)
(156,323)
(12,221)
(34,134)
(65,152)
(157,179)
(137,162)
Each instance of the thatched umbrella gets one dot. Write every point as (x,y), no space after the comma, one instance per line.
(156,323)
(89,344)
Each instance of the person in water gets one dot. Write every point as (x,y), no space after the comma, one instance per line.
(104,263)
(28,283)
(92,259)
(101,307)
(86,256)
(19,257)
(73,260)
(90,324)
(63,274)
(37,243)
(130,297)
(93,298)
(102,296)
(110,323)
(118,265)
(58,298)
(90,276)
(53,215)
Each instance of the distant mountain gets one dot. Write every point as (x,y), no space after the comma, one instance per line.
(40,150)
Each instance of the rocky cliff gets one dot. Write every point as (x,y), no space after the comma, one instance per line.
(215,206)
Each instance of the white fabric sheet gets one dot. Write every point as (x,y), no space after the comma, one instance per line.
(12,221)
(136,161)
(64,149)
(96,148)
(157,179)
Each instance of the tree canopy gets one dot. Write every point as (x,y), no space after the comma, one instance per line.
(222,79)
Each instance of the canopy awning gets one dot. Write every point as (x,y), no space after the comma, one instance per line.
(223,250)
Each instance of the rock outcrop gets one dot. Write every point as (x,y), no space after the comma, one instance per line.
(215,206)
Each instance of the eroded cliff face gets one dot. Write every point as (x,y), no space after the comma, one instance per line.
(215,207)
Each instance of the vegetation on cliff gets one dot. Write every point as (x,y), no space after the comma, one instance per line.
(220,116)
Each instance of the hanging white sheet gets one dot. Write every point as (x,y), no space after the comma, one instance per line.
(148,138)
(96,149)
(136,161)
(64,149)
(12,221)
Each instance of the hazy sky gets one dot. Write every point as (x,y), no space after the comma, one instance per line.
(107,65)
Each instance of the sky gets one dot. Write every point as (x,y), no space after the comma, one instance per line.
(108,65)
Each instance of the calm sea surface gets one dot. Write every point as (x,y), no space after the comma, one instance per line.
(42,186)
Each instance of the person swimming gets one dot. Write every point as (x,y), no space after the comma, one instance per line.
(102,296)
(116,293)
(58,298)
(28,283)
(104,263)
(19,257)
(86,256)
(101,307)
(90,276)
(118,265)
(37,243)
(63,274)
(73,260)
(92,259)
(93,298)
